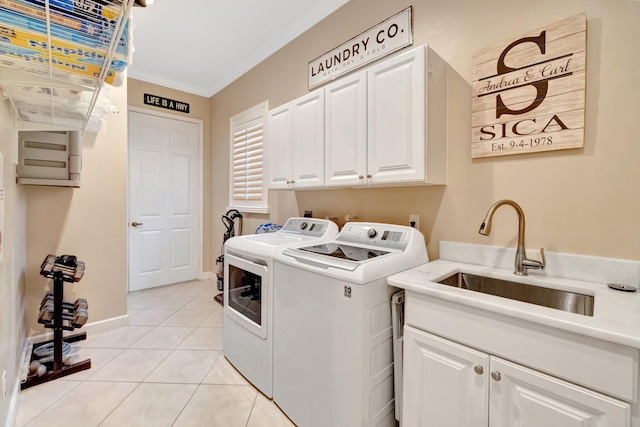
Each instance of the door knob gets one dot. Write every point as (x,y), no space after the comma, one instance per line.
(479,369)
(135,224)
(496,376)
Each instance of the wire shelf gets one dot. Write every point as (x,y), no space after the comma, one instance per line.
(57,55)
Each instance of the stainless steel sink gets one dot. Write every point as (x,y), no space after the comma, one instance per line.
(547,297)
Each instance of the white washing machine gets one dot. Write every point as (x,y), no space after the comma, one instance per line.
(248,294)
(333,351)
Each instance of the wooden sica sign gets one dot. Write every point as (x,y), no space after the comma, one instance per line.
(385,38)
(529,92)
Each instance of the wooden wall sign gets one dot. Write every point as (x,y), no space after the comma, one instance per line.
(529,92)
(381,40)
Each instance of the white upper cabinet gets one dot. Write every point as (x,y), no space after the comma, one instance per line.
(296,143)
(346,131)
(396,125)
(280,140)
(385,125)
(308,141)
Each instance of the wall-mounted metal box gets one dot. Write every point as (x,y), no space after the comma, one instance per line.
(49,158)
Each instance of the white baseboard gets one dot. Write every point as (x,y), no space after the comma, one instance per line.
(208,275)
(89,328)
(12,416)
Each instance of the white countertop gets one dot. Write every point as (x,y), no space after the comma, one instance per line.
(616,316)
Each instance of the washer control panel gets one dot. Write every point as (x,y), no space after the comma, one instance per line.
(383,235)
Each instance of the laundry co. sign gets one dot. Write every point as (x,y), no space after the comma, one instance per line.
(529,93)
(385,38)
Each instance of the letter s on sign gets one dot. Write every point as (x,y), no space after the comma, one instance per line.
(487,130)
(541,86)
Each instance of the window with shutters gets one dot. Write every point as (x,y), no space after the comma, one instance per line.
(248,191)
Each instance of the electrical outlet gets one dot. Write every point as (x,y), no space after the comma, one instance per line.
(414,220)
(4,385)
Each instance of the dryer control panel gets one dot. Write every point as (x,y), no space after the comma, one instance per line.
(307,226)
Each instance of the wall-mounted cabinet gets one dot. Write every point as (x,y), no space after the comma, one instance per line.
(385,125)
(279,136)
(296,140)
(345,141)
(406,120)
(49,158)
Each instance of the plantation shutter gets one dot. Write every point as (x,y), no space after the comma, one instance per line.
(247,159)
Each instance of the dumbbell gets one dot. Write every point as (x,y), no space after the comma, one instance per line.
(80,317)
(46,313)
(47,299)
(80,312)
(37,368)
(46,308)
(81,303)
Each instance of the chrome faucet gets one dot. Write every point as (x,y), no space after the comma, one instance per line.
(522,263)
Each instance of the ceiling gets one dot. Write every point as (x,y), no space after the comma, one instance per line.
(201,46)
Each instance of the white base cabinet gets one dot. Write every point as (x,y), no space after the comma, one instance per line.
(451,385)
(524,397)
(441,386)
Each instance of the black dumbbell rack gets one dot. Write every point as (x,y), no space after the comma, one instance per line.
(60,269)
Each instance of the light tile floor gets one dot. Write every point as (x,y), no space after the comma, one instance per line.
(165,369)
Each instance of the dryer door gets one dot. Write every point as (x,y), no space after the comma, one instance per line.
(245,293)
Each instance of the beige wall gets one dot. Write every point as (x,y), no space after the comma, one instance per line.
(12,268)
(89,222)
(198,110)
(583,201)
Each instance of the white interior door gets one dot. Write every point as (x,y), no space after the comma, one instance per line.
(164,201)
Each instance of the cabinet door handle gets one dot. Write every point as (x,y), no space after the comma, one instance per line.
(479,369)
(496,376)
(369,176)
(360,176)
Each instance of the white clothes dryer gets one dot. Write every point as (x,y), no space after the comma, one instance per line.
(333,355)
(248,294)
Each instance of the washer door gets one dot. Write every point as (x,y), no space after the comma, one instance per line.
(245,293)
